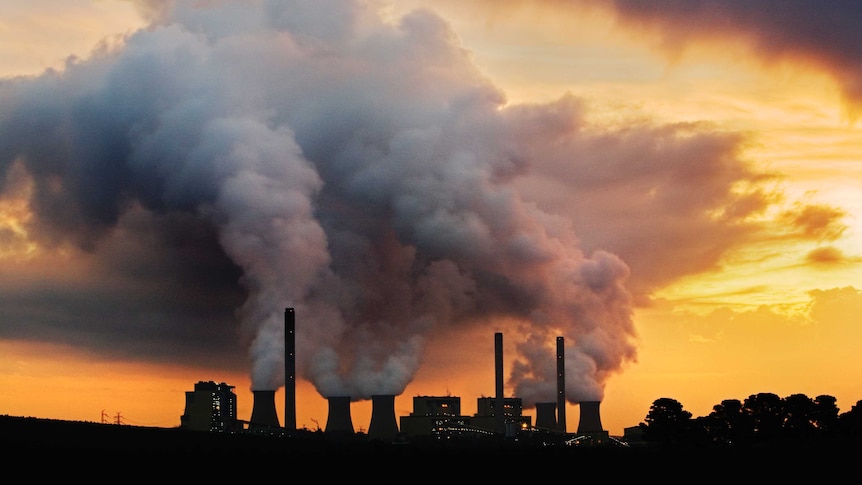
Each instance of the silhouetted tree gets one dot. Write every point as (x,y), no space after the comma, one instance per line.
(762,418)
(799,413)
(767,412)
(667,422)
(850,422)
(730,423)
(826,414)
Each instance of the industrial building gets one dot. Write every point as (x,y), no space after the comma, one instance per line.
(440,416)
(210,407)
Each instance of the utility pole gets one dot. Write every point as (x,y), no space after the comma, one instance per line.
(118,418)
(104,415)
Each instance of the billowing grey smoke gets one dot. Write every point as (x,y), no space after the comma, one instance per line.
(359,171)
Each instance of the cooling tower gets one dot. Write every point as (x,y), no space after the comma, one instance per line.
(546,415)
(263,413)
(383,425)
(561,385)
(590,421)
(339,420)
(289,369)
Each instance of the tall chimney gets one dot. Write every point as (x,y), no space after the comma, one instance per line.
(339,420)
(383,425)
(546,415)
(289,369)
(499,415)
(561,385)
(263,413)
(590,421)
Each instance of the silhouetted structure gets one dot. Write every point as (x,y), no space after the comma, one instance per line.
(487,415)
(289,369)
(561,385)
(441,417)
(434,415)
(263,415)
(546,415)
(339,419)
(498,381)
(384,425)
(590,424)
(590,421)
(210,407)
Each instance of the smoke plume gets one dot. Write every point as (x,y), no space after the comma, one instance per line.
(361,170)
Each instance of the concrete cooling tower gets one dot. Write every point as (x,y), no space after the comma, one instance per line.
(263,413)
(384,425)
(546,415)
(339,420)
(591,421)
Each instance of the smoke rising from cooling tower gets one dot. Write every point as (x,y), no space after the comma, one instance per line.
(365,173)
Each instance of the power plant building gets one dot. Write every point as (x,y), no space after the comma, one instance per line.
(441,416)
(210,407)
(433,415)
(487,415)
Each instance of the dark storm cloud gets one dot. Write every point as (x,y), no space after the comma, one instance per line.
(237,158)
(820,32)
(158,288)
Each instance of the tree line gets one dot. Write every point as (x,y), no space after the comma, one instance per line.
(760,419)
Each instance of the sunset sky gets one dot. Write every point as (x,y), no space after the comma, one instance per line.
(673,187)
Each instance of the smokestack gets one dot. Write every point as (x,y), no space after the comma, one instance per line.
(561,385)
(339,420)
(289,369)
(546,415)
(498,375)
(263,413)
(590,421)
(383,425)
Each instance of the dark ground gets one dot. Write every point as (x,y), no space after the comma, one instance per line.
(71,449)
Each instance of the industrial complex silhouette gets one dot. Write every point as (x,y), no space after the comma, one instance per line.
(212,407)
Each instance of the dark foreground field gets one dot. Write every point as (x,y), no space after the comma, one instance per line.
(82,449)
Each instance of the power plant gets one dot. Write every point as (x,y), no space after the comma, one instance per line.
(438,416)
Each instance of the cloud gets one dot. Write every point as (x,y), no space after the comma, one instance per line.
(817,222)
(826,255)
(805,32)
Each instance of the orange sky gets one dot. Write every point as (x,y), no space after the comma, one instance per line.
(728,301)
